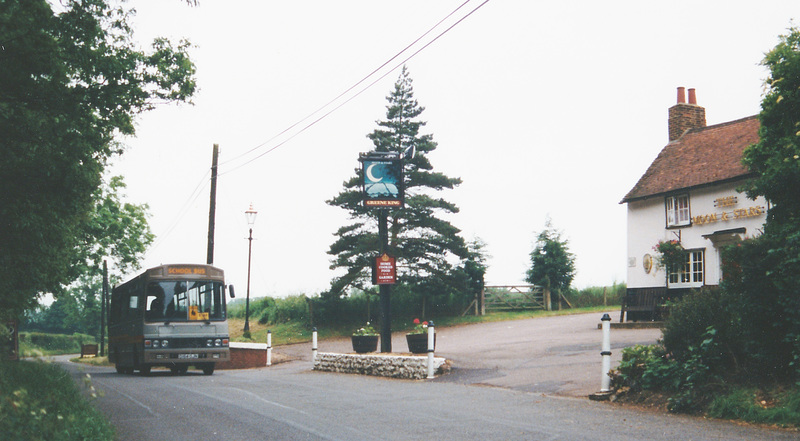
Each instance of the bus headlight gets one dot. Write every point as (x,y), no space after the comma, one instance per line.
(155,344)
(164,343)
(209,343)
(217,342)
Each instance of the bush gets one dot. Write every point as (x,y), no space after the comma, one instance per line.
(39,401)
(53,343)
(593,295)
(689,320)
(754,405)
(690,382)
(292,308)
(765,274)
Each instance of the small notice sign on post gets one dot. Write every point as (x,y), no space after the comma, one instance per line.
(11,345)
(385,270)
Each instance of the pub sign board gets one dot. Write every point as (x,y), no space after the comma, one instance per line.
(382,179)
(385,270)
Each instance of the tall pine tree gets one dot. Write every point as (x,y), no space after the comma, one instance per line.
(426,246)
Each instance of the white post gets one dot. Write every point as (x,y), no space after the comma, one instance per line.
(314,345)
(605,384)
(431,335)
(269,348)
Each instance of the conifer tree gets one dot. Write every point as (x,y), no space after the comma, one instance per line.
(425,245)
(552,264)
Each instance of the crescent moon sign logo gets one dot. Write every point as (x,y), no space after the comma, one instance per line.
(370,176)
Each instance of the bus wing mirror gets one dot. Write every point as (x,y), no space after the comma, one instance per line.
(232,293)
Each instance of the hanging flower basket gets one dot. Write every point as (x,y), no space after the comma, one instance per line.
(671,254)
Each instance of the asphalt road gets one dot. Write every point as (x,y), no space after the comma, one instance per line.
(537,372)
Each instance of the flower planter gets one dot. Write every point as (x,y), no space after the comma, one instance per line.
(365,343)
(418,343)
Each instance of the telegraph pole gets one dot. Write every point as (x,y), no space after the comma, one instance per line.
(212,205)
(103,298)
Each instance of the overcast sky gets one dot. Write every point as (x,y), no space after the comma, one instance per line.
(542,108)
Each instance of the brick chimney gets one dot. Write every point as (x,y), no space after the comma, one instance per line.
(684,116)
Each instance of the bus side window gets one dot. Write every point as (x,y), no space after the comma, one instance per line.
(154,303)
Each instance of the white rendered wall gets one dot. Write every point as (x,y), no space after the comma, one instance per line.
(647,225)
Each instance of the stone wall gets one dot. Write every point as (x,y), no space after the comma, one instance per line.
(395,366)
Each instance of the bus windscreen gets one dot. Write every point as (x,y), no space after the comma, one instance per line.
(183,300)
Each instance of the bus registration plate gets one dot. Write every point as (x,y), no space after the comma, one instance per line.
(188,356)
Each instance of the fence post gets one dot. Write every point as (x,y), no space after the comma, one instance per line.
(431,340)
(313,345)
(548,305)
(269,347)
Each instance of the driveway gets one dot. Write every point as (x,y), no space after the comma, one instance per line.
(547,355)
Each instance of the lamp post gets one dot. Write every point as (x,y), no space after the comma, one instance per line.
(250,215)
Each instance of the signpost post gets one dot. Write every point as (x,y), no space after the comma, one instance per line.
(383,188)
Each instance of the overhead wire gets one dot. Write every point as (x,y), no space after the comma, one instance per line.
(181,212)
(196,192)
(353,87)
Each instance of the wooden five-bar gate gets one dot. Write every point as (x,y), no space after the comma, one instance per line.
(510,297)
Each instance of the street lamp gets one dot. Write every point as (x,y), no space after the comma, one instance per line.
(250,215)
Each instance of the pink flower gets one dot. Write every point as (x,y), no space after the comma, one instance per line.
(416,321)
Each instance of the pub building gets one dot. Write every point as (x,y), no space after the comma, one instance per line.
(688,195)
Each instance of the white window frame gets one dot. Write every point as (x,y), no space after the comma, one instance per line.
(692,274)
(677,208)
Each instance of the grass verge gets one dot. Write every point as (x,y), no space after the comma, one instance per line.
(39,401)
(298,332)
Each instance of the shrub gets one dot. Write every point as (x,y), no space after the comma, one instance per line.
(39,401)
(691,382)
(689,320)
(292,308)
(593,295)
(53,343)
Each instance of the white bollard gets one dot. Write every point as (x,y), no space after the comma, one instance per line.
(269,348)
(313,345)
(431,334)
(605,384)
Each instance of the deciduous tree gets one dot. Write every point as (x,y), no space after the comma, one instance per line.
(71,83)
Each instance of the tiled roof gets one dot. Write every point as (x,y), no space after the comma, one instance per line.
(700,157)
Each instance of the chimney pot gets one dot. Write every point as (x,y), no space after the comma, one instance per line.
(692,97)
(683,117)
(682,95)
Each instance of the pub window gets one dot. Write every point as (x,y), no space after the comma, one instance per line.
(691,273)
(677,210)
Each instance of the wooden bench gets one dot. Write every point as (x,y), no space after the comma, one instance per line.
(643,301)
(87,350)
